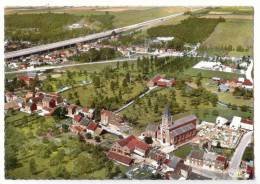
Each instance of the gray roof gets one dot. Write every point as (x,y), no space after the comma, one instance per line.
(183,129)
(174,161)
(223,87)
(151,127)
(197,154)
(183,120)
(209,156)
(167,111)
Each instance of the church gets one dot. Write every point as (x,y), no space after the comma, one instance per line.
(173,132)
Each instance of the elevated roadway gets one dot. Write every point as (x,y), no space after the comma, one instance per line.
(73,41)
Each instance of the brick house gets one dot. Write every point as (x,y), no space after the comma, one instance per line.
(109,118)
(48,102)
(123,150)
(208,160)
(161,81)
(30,107)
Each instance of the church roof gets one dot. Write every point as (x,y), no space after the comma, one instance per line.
(183,129)
(183,120)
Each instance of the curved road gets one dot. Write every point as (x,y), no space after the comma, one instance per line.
(238,154)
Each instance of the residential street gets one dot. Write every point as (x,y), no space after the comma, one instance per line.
(237,156)
(211,174)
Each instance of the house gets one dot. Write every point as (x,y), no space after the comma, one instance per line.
(29,107)
(175,132)
(195,158)
(28,80)
(78,129)
(12,105)
(161,81)
(221,162)
(77,118)
(88,112)
(111,119)
(71,110)
(180,172)
(247,84)
(10,96)
(91,128)
(223,88)
(247,124)
(123,150)
(48,102)
(207,160)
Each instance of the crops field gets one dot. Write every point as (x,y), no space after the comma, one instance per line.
(235,32)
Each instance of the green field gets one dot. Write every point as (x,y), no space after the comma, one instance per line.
(233,32)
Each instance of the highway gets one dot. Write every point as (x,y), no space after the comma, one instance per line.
(73,41)
(238,154)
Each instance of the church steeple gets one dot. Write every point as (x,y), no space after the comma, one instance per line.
(166,117)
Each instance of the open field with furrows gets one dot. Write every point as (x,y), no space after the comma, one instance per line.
(243,10)
(233,32)
(240,17)
(123,15)
(60,156)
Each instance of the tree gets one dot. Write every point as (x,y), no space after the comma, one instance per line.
(156,108)
(97,139)
(148,140)
(33,166)
(88,135)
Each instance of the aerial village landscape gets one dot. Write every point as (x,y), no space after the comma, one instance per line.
(124,93)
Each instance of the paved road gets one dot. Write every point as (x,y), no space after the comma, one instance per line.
(249,71)
(211,174)
(68,65)
(104,34)
(131,102)
(237,156)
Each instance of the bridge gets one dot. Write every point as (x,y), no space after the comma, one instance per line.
(73,41)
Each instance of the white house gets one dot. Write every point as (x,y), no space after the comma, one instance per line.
(247,124)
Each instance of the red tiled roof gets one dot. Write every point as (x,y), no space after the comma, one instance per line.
(247,82)
(92,126)
(120,158)
(156,78)
(106,112)
(221,158)
(247,121)
(25,78)
(77,118)
(132,142)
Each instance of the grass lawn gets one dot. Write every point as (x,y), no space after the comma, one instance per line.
(193,72)
(226,97)
(183,151)
(235,32)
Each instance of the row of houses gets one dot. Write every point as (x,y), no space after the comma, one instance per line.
(207,160)
(225,85)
